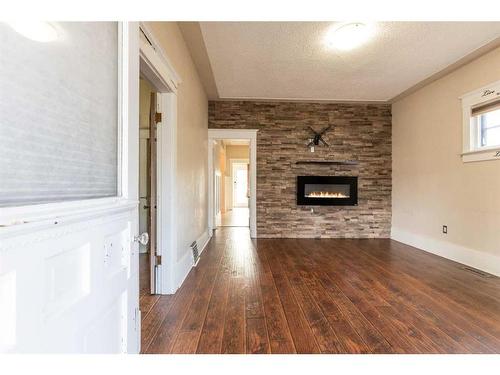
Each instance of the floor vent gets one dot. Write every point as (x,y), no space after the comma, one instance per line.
(476,271)
(196,254)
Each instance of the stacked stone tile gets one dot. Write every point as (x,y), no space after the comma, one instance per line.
(360,132)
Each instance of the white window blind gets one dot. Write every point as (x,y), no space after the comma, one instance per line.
(59,114)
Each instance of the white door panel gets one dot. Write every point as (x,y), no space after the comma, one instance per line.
(65,289)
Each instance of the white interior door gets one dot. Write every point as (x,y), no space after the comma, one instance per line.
(68,275)
(143,185)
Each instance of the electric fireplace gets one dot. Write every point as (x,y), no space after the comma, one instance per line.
(327,190)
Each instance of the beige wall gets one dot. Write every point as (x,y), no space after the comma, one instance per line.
(220,166)
(236,152)
(431,185)
(192,134)
(145,90)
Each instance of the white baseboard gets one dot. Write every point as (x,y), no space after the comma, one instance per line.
(186,263)
(182,268)
(470,257)
(202,242)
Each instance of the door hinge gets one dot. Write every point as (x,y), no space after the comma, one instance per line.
(158,260)
(157,117)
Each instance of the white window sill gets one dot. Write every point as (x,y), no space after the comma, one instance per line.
(490,153)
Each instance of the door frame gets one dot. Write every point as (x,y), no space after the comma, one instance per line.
(232,163)
(157,69)
(247,134)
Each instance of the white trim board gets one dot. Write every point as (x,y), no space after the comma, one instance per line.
(202,242)
(156,67)
(251,135)
(185,264)
(157,59)
(470,257)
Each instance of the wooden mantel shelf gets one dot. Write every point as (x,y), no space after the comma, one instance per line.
(328,162)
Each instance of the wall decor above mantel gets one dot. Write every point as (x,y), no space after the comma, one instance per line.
(317,138)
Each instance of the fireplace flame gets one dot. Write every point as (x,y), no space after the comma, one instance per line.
(326,194)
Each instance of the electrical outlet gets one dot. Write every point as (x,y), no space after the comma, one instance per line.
(445,229)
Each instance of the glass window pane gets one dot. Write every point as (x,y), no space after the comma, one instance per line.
(491,119)
(492,137)
(59,114)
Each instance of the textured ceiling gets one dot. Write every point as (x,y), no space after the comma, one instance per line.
(288,60)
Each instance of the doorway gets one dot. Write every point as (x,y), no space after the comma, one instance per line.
(232,180)
(148,123)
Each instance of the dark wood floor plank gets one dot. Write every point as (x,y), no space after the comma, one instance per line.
(280,338)
(345,331)
(210,341)
(363,327)
(302,335)
(399,292)
(192,324)
(445,314)
(403,337)
(428,335)
(312,296)
(457,288)
(167,332)
(151,322)
(256,334)
(234,339)
(146,303)
(325,336)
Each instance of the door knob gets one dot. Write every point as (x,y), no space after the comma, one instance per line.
(142,238)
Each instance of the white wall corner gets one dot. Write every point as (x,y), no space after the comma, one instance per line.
(470,257)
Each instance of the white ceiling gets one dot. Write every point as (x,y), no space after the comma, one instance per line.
(288,60)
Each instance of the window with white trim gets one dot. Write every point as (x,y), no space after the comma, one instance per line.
(481,124)
(486,120)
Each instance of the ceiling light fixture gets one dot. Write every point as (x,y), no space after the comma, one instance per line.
(348,35)
(38,31)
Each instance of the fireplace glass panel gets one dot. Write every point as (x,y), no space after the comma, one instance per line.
(327,191)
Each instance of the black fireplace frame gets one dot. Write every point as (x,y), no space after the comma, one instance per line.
(352,181)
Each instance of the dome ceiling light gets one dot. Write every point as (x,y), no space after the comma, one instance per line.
(38,31)
(348,36)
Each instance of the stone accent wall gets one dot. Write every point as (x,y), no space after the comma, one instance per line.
(360,132)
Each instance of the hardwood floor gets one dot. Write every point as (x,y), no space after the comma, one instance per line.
(323,296)
(236,217)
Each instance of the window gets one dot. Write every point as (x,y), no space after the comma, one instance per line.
(487,126)
(481,123)
(59,114)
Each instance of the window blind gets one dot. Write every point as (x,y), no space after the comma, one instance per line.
(59,114)
(483,108)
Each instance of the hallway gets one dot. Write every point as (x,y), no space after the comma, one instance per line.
(323,296)
(236,217)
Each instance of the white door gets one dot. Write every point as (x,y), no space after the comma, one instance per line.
(68,269)
(143,186)
(240,185)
